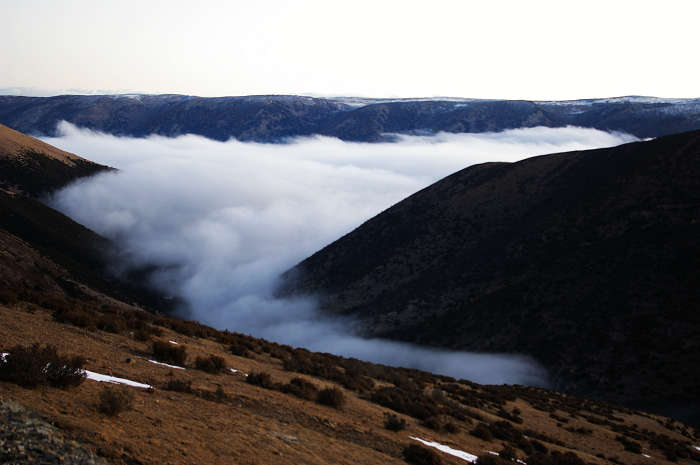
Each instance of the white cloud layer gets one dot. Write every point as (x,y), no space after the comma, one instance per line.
(229,217)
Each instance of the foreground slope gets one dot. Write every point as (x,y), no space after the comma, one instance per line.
(587,261)
(273,118)
(249,409)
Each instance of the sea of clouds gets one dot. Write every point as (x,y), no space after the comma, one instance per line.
(225,219)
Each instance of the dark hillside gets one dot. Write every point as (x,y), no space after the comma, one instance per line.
(588,261)
(30,168)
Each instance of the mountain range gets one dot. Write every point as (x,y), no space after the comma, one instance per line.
(275,118)
(587,261)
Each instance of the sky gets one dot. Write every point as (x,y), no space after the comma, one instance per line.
(535,50)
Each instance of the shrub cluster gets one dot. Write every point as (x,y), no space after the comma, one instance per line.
(440,423)
(185,387)
(394,423)
(555,458)
(629,445)
(409,401)
(114,401)
(301,388)
(419,455)
(169,353)
(35,365)
(179,385)
(211,364)
(672,449)
(333,397)
(329,367)
(261,379)
(490,459)
(106,318)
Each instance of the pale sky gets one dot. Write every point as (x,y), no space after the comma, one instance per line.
(534,49)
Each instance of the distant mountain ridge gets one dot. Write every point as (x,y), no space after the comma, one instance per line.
(587,261)
(274,118)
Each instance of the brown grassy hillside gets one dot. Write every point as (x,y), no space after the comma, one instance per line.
(218,416)
(34,167)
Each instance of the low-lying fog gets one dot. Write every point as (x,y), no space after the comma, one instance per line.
(228,217)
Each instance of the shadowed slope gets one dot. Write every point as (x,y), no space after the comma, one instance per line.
(70,256)
(587,261)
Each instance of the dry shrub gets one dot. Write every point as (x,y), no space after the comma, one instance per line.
(111,323)
(34,365)
(409,400)
(301,388)
(490,459)
(394,423)
(211,364)
(508,453)
(333,397)
(261,379)
(555,458)
(237,348)
(179,385)
(482,431)
(142,335)
(169,353)
(219,395)
(8,297)
(77,317)
(114,401)
(419,455)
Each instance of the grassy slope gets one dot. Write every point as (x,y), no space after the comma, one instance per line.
(258,425)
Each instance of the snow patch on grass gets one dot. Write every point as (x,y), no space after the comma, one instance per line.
(166,365)
(113,379)
(448,450)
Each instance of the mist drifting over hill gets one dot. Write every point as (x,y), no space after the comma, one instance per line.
(226,218)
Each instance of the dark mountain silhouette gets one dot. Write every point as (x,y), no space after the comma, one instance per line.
(273,118)
(588,261)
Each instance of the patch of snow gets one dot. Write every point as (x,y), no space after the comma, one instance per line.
(113,379)
(173,342)
(3,355)
(697,447)
(448,450)
(646,455)
(233,370)
(166,365)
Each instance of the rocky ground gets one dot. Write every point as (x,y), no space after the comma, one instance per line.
(27,439)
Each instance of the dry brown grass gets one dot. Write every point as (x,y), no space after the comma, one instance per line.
(12,143)
(221,418)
